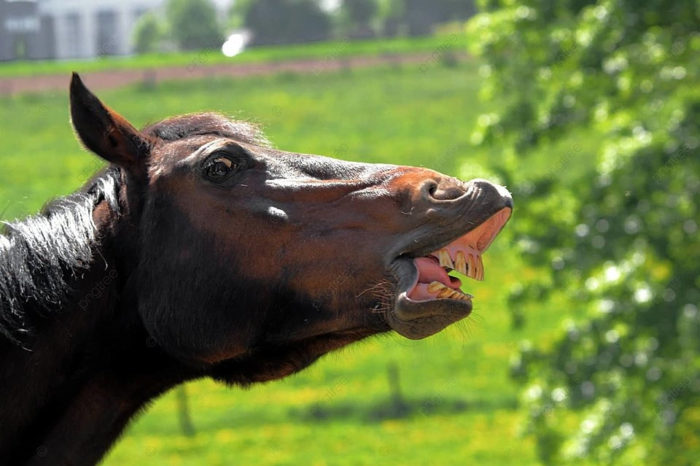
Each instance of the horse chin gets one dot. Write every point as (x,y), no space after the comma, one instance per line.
(417,319)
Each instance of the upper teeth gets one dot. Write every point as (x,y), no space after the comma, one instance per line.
(460,262)
(445,259)
(467,262)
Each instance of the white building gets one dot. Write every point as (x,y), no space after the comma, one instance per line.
(33,29)
(90,28)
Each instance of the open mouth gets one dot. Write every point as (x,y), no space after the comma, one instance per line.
(428,297)
(463,255)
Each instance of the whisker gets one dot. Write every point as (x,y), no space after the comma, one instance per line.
(382,292)
(373,288)
(477,318)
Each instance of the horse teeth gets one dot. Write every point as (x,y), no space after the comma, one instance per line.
(435,287)
(480,268)
(445,259)
(441,291)
(461,295)
(471,272)
(460,263)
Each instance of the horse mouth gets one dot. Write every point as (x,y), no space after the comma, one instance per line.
(429,299)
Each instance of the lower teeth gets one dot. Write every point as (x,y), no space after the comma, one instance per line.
(444,292)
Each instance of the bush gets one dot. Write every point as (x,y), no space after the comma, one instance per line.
(286,21)
(618,234)
(147,33)
(193,24)
(357,17)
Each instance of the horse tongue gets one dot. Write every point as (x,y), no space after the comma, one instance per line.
(429,270)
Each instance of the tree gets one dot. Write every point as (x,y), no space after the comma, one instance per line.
(238,11)
(391,13)
(286,21)
(357,17)
(418,17)
(147,33)
(193,24)
(616,80)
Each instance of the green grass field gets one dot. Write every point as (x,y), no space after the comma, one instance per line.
(461,408)
(319,50)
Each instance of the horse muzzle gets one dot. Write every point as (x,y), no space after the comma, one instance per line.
(458,222)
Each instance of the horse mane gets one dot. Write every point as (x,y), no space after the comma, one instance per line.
(194,124)
(40,253)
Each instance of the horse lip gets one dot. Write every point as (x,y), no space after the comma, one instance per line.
(478,211)
(405,272)
(407,309)
(424,246)
(420,319)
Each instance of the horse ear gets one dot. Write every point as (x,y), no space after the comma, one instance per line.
(105,132)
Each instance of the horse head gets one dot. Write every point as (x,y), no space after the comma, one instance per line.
(252,262)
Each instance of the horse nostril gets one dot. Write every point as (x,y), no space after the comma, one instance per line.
(432,188)
(428,189)
(443,190)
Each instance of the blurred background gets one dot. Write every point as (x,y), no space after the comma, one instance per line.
(584,346)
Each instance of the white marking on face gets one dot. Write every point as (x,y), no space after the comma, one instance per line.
(278,213)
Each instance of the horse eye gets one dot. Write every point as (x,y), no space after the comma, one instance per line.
(219,168)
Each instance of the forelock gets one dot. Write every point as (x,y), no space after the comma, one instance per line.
(183,126)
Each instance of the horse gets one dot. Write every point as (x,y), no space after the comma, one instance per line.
(203,251)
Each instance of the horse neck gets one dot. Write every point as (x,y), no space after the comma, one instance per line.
(89,367)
